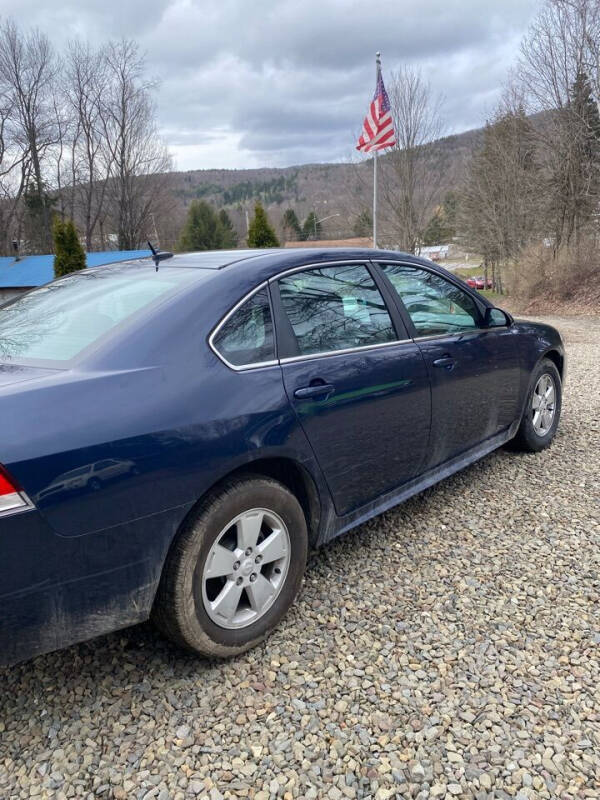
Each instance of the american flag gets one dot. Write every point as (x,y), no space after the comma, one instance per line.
(378,128)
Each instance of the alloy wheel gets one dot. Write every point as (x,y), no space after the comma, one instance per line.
(246,568)
(543,404)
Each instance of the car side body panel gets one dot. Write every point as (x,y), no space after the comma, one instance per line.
(116,450)
(109,555)
(69,589)
(478,395)
(375,390)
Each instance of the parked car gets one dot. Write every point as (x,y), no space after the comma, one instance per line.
(174,439)
(89,476)
(479,283)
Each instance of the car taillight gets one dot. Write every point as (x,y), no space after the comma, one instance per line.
(12,497)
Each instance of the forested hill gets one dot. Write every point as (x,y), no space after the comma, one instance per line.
(342,189)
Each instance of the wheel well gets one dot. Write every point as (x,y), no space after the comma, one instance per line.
(557,359)
(293,476)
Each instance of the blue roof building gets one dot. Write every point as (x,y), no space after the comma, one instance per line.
(30,271)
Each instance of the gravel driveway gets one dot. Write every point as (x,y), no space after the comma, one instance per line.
(448,648)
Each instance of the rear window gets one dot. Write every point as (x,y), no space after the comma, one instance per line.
(246,338)
(58,321)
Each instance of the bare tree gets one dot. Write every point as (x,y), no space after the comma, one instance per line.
(27,71)
(138,157)
(559,69)
(14,171)
(86,82)
(411,174)
(499,201)
(62,157)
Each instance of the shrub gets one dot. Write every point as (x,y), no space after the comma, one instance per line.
(69,255)
(542,272)
(260,232)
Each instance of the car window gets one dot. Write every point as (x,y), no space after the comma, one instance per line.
(247,338)
(75,473)
(57,321)
(434,304)
(104,464)
(335,308)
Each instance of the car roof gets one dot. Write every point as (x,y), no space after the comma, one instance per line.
(244,269)
(219,259)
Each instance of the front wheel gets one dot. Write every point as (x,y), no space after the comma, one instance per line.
(542,410)
(235,569)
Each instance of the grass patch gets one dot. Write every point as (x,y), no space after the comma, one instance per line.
(469,272)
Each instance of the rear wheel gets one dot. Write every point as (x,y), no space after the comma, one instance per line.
(542,411)
(234,571)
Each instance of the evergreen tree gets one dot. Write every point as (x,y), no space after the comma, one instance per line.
(203,230)
(312,227)
(434,233)
(260,233)
(363,225)
(586,108)
(228,232)
(75,252)
(576,179)
(69,255)
(450,207)
(441,228)
(60,252)
(291,226)
(38,215)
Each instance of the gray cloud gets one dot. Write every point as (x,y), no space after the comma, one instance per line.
(277,82)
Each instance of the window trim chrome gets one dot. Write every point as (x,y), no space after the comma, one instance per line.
(344,263)
(449,334)
(230,313)
(346,351)
(291,359)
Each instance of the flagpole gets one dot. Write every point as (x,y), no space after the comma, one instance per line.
(375,200)
(377,70)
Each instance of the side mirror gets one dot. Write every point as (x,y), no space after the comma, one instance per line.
(496,318)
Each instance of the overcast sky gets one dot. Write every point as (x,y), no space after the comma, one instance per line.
(248,83)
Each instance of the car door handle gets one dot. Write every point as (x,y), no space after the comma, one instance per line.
(314,390)
(447,362)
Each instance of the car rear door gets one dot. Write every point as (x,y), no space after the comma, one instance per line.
(356,381)
(474,370)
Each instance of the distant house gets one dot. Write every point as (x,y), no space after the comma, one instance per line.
(435,252)
(28,272)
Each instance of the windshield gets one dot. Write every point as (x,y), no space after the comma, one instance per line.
(56,322)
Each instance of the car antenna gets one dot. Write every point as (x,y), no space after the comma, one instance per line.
(158,256)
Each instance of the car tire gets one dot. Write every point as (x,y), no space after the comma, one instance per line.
(95,484)
(186,608)
(532,436)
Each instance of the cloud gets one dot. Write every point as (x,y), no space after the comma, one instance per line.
(277,82)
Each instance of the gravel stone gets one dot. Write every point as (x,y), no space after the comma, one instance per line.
(446,648)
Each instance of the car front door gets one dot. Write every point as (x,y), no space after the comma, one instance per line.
(474,370)
(357,382)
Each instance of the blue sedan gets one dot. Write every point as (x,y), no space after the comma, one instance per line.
(175,437)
